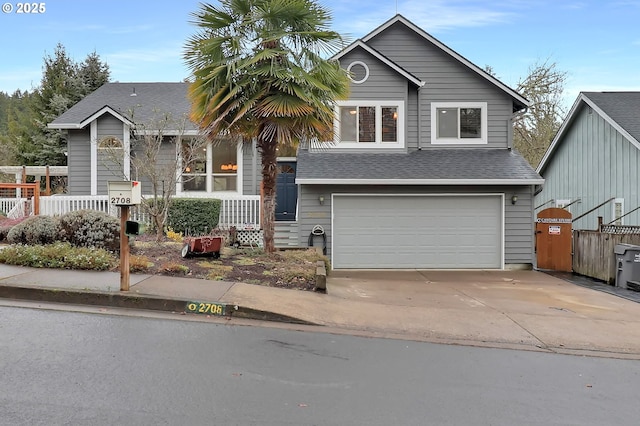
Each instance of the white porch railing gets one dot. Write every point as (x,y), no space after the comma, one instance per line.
(16,208)
(7,204)
(60,204)
(241,211)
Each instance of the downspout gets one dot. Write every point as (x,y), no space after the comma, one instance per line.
(254,166)
(93,161)
(419,115)
(510,129)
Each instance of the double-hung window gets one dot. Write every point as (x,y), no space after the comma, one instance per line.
(375,124)
(458,123)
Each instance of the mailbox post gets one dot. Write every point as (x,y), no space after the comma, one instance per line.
(124,194)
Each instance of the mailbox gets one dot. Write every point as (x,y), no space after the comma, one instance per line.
(125,193)
(132,228)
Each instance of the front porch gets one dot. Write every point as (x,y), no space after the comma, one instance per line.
(239,211)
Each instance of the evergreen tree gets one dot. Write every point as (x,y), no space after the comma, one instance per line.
(93,73)
(64,83)
(15,137)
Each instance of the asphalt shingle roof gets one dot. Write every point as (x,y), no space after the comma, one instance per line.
(443,164)
(151,100)
(622,107)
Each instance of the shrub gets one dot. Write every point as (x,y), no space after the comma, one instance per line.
(34,230)
(89,228)
(174,268)
(174,236)
(139,263)
(4,231)
(58,255)
(191,216)
(6,224)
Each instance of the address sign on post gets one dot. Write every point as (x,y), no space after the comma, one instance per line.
(125,193)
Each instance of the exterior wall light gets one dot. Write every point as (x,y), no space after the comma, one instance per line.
(514,199)
(321,199)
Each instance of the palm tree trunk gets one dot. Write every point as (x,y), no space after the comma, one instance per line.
(269,176)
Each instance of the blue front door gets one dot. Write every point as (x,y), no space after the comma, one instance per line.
(286,191)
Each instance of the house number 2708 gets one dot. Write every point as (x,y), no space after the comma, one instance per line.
(120,200)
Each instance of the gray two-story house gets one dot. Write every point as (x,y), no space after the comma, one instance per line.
(421,173)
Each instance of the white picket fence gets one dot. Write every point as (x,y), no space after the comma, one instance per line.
(241,211)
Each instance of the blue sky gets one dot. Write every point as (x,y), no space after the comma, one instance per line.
(594,41)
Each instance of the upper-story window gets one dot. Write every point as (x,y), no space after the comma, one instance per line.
(110,142)
(458,123)
(375,124)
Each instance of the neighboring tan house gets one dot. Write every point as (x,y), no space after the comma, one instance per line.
(422,173)
(594,160)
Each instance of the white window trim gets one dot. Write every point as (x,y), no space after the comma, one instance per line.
(210,175)
(126,145)
(458,141)
(103,148)
(378,144)
(366,72)
(93,129)
(613,210)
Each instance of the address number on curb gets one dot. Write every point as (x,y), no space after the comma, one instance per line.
(206,308)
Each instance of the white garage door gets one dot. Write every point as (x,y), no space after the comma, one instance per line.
(423,232)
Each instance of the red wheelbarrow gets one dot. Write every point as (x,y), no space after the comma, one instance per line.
(202,245)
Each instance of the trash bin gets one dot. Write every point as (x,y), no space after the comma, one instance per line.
(627,266)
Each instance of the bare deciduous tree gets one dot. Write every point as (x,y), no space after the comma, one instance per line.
(536,127)
(160,152)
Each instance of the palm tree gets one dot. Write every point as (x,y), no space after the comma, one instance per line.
(259,72)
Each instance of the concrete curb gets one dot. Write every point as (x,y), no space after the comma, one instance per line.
(134,301)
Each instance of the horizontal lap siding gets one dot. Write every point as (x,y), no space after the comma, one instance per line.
(166,158)
(108,170)
(446,80)
(251,171)
(79,157)
(593,162)
(518,218)
(385,83)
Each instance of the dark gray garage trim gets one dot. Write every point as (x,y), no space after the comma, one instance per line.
(418,231)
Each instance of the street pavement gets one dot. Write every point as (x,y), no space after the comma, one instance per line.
(527,310)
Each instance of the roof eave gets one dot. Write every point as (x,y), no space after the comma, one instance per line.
(582,98)
(64,126)
(399,18)
(382,58)
(510,182)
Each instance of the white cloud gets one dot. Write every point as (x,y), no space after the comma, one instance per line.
(151,64)
(432,16)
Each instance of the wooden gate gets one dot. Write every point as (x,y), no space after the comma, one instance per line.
(26,196)
(553,240)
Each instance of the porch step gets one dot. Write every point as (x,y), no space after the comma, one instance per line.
(286,234)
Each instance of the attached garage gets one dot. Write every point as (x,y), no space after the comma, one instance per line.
(417,231)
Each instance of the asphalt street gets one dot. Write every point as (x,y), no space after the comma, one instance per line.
(59,368)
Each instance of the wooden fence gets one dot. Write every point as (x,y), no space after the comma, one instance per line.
(19,199)
(593,253)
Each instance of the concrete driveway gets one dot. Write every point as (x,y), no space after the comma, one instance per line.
(520,309)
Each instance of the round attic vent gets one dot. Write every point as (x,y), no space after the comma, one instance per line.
(358,72)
